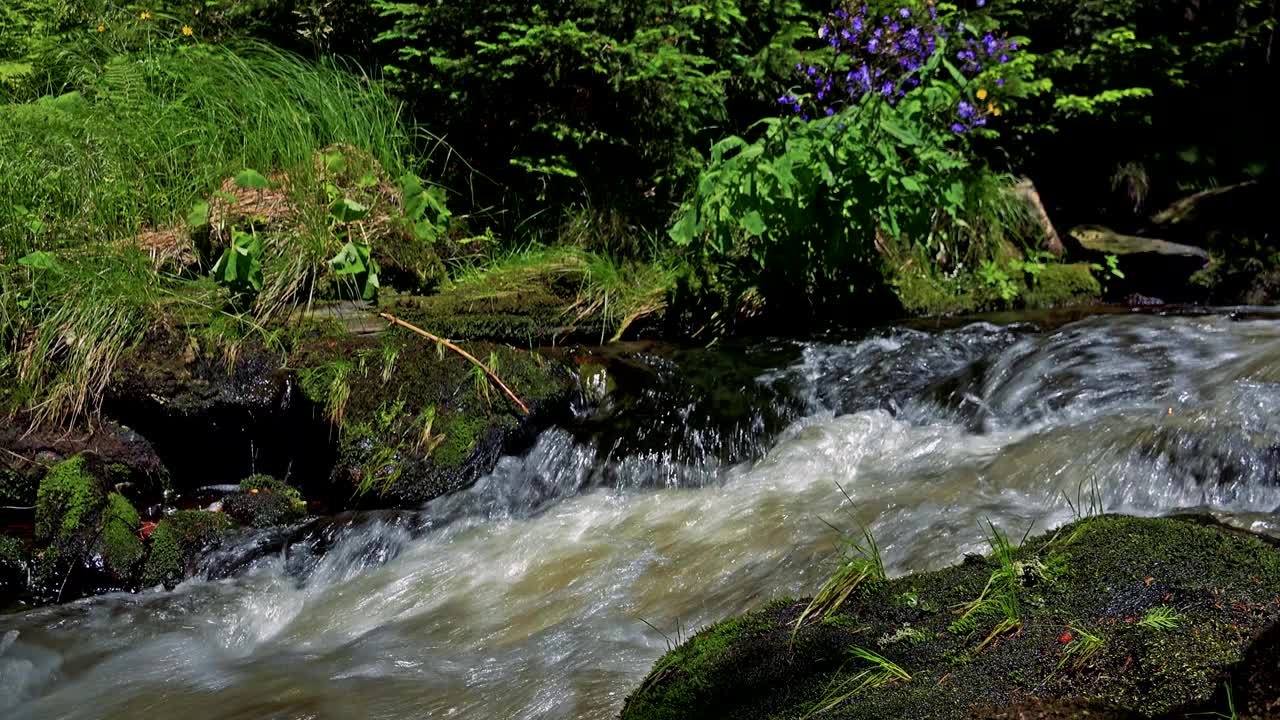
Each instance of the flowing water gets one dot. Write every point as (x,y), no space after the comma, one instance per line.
(549,588)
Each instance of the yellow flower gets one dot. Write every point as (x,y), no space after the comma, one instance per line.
(982,93)
(102,28)
(995,111)
(144,15)
(186,30)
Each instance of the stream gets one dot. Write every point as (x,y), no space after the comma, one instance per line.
(549,588)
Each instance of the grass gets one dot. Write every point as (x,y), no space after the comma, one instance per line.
(134,142)
(999,597)
(602,289)
(1161,617)
(1083,647)
(860,566)
(881,671)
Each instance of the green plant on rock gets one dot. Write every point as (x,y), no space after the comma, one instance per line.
(999,597)
(118,537)
(68,501)
(878,671)
(177,542)
(1083,647)
(1161,617)
(860,568)
(995,277)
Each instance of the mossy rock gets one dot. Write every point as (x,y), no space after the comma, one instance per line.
(68,502)
(1060,284)
(264,501)
(177,543)
(15,558)
(1101,576)
(118,542)
(415,422)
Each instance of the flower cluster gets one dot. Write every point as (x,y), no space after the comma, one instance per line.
(883,56)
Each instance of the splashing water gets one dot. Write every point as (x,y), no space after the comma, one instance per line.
(549,588)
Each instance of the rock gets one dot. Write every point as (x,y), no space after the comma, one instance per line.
(28,454)
(84,531)
(414,423)
(214,420)
(1148,266)
(1080,636)
(177,543)
(15,560)
(1059,285)
(264,502)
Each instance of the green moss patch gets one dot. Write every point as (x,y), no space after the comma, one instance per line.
(415,420)
(118,541)
(177,542)
(1063,284)
(68,501)
(264,501)
(1079,639)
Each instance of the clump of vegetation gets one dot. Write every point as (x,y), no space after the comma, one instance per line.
(1162,618)
(178,541)
(264,501)
(860,569)
(1223,583)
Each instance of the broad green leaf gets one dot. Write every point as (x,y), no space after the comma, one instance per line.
(347,210)
(753,223)
(39,260)
(250,179)
(199,215)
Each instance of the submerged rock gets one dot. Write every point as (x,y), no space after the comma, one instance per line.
(1116,616)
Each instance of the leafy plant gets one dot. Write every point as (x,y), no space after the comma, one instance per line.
(880,671)
(994,276)
(1161,617)
(240,266)
(1083,647)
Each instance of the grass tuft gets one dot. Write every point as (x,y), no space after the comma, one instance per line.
(1161,617)
(879,671)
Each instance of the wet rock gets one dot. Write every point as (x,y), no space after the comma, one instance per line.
(179,541)
(15,560)
(414,422)
(1058,627)
(264,502)
(28,454)
(213,419)
(1150,266)
(86,534)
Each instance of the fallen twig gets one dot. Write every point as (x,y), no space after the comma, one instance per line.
(441,341)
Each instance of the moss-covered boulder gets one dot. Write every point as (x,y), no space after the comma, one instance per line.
(1060,284)
(177,543)
(1116,616)
(15,558)
(414,421)
(136,468)
(84,530)
(264,502)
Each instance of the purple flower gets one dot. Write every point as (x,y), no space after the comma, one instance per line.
(811,71)
(857,24)
(965,110)
(1004,58)
(999,82)
(981,3)
(886,89)
(957,127)
(796,107)
(980,121)
(873,45)
(1013,46)
(831,111)
(903,12)
(895,27)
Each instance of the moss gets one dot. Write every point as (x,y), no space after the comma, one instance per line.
(461,434)
(263,502)
(118,541)
(177,542)
(924,294)
(67,501)
(1108,571)
(1063,284)
(415,423)
(14,554)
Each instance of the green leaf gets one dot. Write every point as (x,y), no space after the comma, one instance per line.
(347,210)
(250,179)
(910,183)
(753,223)
(334,162)
(39,260)
(199,215)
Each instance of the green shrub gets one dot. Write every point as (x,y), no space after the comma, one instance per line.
(594,101)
